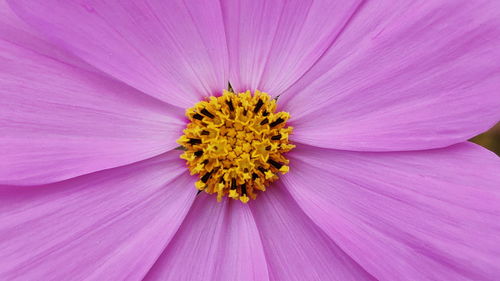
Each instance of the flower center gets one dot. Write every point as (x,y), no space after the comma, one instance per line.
(235,143)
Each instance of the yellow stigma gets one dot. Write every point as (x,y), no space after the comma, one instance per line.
(235,143)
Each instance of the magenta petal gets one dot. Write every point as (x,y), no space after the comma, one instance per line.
(173,50)
(110,225)
(273,43)
(427,215)
(217,241)
(59,118)
(296,249)
(403,76)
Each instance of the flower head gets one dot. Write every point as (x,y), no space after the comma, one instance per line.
(118,132)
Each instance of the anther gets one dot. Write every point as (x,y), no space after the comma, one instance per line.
(197,116)
(207,113)
(205,178)
(264,122)
(277,122)
(274,163)
(194,141)
(277,137)
(244,189)
(259,104)
(230,104)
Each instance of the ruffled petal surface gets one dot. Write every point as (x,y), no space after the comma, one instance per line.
(296,249)
(109,225)
(273,43)
(427,215)
(409,75)
(217,241)
(173,50)
(61,118)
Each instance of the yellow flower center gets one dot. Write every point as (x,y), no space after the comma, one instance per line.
(235,143)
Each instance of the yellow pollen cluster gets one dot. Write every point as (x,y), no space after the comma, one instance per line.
(235,143)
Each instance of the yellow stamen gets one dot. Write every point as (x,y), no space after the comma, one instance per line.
(235,143)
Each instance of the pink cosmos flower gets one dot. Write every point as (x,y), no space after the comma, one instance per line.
(382,97)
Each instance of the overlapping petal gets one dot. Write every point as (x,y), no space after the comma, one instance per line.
(403,75)
(427,215)
(217,241)
(173,50)
(273,43)
(109,225)
(295,248)
(60,117)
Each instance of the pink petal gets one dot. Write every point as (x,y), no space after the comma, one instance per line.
(296,249)
(403,76)
(427,215)
(109,225)
(217,241)
(16,31)
(273,43)
(60,118)
(173,50)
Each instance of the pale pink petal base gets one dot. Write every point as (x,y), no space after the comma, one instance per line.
(109,225)
(217,241)
(404,75)
(427,215)
(296,249)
